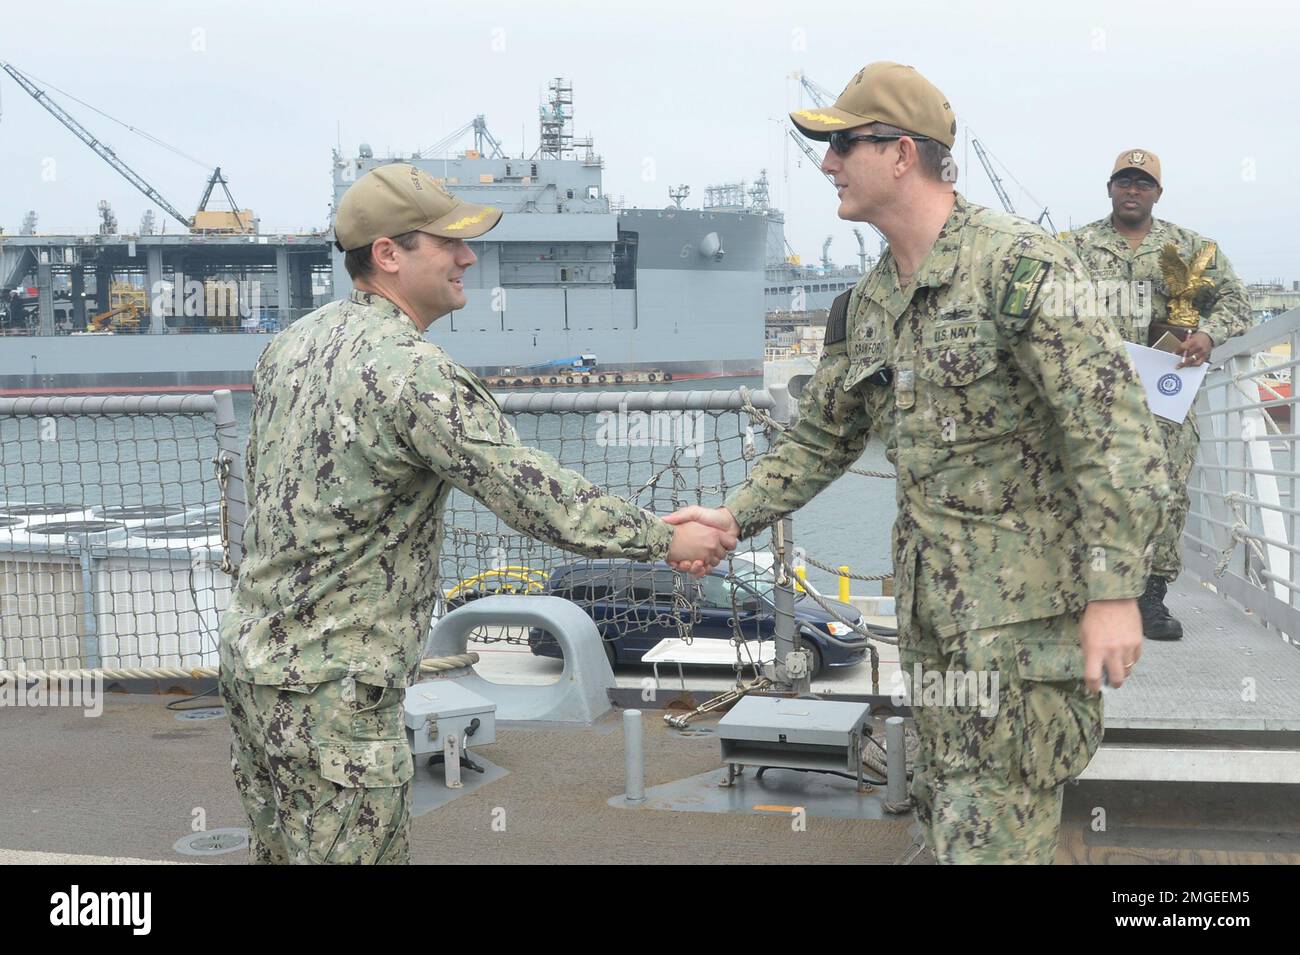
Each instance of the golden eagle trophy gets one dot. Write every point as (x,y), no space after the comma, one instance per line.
(1184,281)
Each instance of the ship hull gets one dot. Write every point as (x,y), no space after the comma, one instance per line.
(670,290)
(91,383)
(687,313)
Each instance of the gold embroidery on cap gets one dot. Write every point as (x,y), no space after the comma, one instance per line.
(1137,157)
(469,220)
(815,117)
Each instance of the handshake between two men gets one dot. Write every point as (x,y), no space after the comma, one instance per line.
(702,537)
(1110,631)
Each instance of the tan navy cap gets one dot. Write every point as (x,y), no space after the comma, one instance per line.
(1143,160)
(399,198)
(884,93)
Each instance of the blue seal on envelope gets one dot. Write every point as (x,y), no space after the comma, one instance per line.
(1169,384)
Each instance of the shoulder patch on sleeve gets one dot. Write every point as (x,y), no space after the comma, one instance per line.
(1026,281)
(837,321)
(474,385)
(478,414)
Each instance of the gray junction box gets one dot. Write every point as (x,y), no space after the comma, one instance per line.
(794,734)
(442,717)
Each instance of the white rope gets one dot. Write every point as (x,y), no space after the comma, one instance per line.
(1237,534)
(433,665)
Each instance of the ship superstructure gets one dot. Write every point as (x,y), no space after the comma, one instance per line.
(674,290)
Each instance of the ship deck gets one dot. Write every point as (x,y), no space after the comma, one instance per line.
(1227,674)
(126,786)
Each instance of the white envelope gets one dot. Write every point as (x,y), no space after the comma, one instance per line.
(1170,390)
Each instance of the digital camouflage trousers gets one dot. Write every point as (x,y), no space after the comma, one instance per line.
(323,771)
(1181,442)
(994,757)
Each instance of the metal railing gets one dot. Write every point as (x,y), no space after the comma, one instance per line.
(1241,533)
(114,529)
(660,450)
(146,494)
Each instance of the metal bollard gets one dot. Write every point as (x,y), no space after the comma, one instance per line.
(633,757)
(844,583)
(895,761)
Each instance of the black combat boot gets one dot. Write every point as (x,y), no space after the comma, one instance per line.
(1157,624)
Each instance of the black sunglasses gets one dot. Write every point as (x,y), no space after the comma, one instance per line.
(841,142)
(1127,182)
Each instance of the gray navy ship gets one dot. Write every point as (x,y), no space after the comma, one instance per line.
(789,286)
(568,273)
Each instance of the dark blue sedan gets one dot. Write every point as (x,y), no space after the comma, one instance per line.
(635,606)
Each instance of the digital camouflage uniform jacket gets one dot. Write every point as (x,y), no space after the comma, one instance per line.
(360,429)
(1224,309)
(1030,475)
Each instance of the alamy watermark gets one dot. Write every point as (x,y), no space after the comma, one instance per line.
(86,693)
(130,909)
(211,298)
(1098,298)
(640,429)
(968,689)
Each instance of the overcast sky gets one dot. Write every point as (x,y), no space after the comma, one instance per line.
(673,92)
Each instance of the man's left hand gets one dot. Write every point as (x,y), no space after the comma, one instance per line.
(1195,350)
(1110,633)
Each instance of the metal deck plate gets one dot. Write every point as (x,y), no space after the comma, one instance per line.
(214,842)
(779,792)
(201,713)
(429,792)
(1199,682)
(1194,763)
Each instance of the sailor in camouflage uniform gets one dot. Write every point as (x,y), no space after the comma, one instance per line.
(1030,475)
(360,429)
(1122,253)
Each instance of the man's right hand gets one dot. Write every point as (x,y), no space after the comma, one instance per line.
(697,548)
(698,519)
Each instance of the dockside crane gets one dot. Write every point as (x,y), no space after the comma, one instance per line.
(215,180)
(862,251)
(810,153)
(1005,199)
(483,138)
(203,220)
(993,176)
(820,96)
